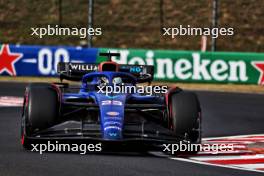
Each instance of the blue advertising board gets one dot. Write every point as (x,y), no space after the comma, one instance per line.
(27,60)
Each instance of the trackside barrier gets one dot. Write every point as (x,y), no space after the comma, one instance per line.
(195,66)
(170,65)
(26,60)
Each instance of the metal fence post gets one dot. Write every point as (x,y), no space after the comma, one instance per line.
(60,14)
(90,21)
(161,16)
(214,22)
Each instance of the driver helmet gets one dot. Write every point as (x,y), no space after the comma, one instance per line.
(102,80)
(117,80)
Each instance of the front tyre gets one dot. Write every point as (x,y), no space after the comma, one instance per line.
(185,114)
(40,110)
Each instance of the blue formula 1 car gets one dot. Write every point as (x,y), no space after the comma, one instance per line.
(93,112)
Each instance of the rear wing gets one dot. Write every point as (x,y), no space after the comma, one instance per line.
(75,71)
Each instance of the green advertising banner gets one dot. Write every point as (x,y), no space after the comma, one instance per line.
(195,66)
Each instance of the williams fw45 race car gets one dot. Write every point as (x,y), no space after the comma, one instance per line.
(84,113)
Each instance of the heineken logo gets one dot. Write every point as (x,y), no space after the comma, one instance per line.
(194,68)
(201,69)
(259,65)
(198,67)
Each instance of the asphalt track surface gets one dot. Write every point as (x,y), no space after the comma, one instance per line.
(223,114)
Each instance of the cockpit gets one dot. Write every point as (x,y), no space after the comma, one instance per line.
(105,81)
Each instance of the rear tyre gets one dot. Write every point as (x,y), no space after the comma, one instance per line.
(40,110)
(185,116)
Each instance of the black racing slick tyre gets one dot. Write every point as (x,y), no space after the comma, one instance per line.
(185,116)
(40,109)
